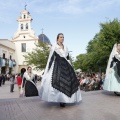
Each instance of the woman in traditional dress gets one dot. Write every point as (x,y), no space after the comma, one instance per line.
(28,84)
(112,79)
(59,82)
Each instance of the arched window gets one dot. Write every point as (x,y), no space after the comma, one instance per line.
(21,26)
(27,26)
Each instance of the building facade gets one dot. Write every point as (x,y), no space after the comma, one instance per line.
(7,57)
(23,41)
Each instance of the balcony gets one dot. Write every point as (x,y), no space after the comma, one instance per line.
(4,62)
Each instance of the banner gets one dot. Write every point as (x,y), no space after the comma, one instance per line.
(3,62)
(14,63)
(10,63)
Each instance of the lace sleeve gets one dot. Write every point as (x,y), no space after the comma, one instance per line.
(117,56)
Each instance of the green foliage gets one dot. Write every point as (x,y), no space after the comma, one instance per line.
(99,48)
(39,56)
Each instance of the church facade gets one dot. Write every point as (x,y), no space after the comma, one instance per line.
(12,51)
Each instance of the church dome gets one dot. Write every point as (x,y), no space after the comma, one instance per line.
(43,38)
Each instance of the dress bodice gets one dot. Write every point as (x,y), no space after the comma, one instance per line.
(28,76)
(61,52)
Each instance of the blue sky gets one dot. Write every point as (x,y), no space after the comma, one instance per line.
(78,20)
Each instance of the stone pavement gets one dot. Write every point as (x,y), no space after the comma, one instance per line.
(5,91)
(96,105)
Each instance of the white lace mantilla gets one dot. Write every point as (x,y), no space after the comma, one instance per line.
(117,56)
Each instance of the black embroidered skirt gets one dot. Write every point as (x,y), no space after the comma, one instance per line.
(63,77)
(30,89)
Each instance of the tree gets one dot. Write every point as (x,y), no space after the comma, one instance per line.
(39,56)
(100,47)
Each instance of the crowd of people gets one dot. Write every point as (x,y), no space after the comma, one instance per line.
(88,81)
(91,81)
(14,79)
(8,77)
(3,78)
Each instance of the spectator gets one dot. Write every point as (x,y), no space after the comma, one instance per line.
(91,81)
(3,79)
(12,80)
(19,82)
(99,84)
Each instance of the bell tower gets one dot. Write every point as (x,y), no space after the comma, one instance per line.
(24,38)
(24,21)
(25,31)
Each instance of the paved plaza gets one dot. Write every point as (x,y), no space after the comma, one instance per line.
(5,91)
(96,105)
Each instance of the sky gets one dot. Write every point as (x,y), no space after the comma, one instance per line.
(78,20)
